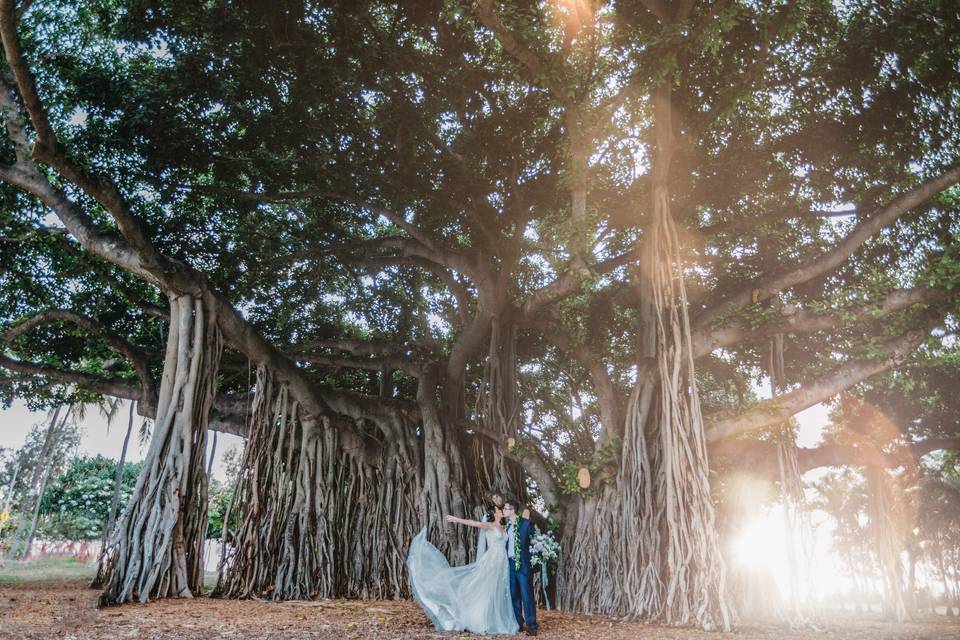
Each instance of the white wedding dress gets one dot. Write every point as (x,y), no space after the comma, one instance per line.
(474,597)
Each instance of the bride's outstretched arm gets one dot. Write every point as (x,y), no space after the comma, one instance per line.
(470,523)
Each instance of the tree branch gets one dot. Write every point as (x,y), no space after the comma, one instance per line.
(412,230)
(570,282)
(819,265)
(760,457)
(135,355)
(706,340)
(354,347)
(135,253)
(47,148)
(487,16)
(659,9)
(458,289)
(404,364)
(25,175)
(116,387)
(607,394)
(771,412)
(868,454)
(534,463)
(755,222)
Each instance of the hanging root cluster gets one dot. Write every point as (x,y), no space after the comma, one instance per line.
(658,523)
(497,410)
(312,522)
(887,542)
(796,516)
(445,486)
(589,578)
(156,549)
(797,523)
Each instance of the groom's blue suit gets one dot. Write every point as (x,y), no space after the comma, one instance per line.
(521,580)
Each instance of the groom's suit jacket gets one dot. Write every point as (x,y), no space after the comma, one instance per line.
(526,532)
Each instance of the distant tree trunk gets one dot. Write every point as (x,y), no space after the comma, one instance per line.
(912,603)
(213,454)
(33,492)
(8,495)
(36,509)
(948,595)
(114,502)
(887,543)
(156,550)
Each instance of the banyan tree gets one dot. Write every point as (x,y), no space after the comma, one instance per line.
(428,255)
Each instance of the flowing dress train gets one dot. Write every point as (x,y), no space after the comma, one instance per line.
(474,597)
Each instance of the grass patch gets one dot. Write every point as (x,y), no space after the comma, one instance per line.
(45,570)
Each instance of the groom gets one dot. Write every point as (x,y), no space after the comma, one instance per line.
(518,554)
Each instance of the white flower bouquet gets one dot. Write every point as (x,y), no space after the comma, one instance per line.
(544,549)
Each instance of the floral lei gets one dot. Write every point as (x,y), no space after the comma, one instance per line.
(516,543)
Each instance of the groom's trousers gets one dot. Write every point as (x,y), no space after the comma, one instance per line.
(521,592)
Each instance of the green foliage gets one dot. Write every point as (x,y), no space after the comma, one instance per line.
(220,496)
(602,468)
(75,506)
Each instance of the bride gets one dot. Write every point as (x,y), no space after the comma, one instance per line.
(474,597)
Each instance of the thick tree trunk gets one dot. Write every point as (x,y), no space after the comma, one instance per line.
(156,549)
(661,531)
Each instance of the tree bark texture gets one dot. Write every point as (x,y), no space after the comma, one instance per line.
(498,412)
(316,522)
(659,526)
(156,549)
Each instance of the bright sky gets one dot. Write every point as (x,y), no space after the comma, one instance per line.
(98,438)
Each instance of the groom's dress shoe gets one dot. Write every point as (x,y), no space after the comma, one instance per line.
(531,632)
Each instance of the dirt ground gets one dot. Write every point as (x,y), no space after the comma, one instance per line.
(65,610)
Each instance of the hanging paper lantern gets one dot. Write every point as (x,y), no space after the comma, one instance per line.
(583,478)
